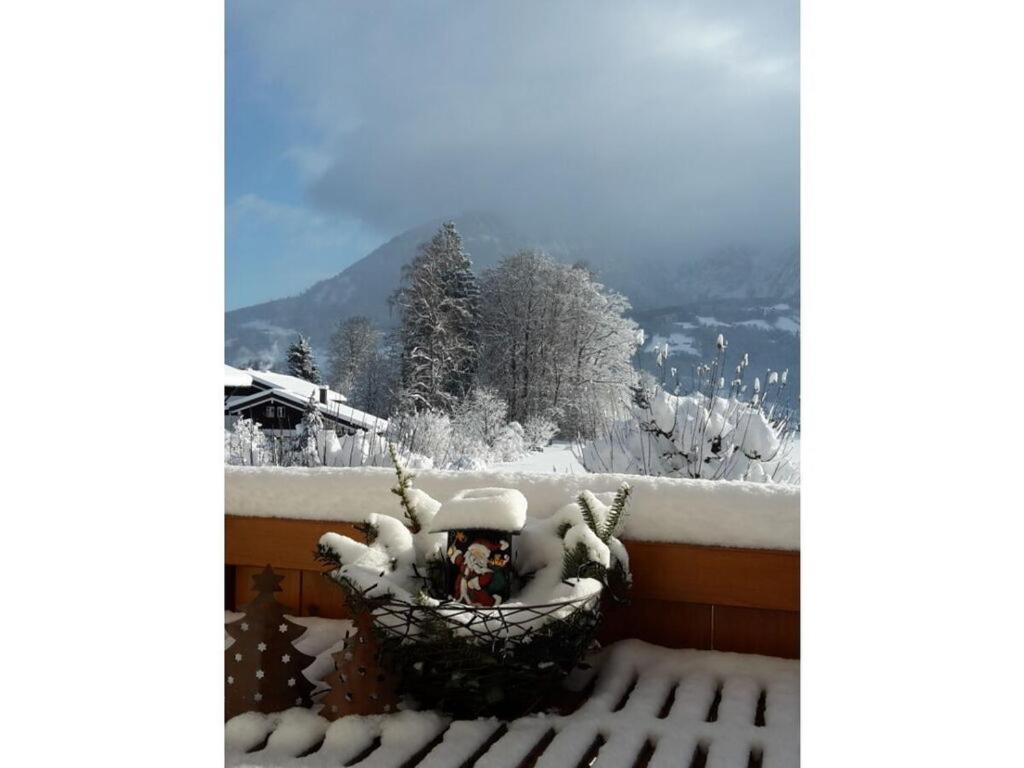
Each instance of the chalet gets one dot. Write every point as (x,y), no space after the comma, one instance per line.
(278,401)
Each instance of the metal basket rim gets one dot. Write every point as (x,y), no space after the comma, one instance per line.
(391,600)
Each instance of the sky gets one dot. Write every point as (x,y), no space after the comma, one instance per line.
(668,127)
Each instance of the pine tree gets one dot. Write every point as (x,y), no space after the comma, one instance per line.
(439,302)
(301,362)
(263,668)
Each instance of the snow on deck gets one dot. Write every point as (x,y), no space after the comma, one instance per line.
(731,514)
(674,707)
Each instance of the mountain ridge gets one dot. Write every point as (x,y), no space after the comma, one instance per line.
(261,333)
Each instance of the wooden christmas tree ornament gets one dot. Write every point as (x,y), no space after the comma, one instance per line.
(358,684)
(262,668)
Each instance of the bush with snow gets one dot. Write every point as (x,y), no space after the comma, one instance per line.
(427,432)
(719,432)
(538,432)
(245,444)
(509,443)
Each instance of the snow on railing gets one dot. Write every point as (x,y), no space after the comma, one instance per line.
(731,514)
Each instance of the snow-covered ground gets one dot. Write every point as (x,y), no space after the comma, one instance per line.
(557,458)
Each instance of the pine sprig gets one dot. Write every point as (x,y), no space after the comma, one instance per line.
(402,490)
(617,514)
(589,517)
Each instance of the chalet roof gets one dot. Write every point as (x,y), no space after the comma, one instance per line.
(294,384)
(233,377)
(334,411)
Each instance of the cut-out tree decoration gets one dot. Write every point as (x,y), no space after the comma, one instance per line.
(359,685)
(263,668)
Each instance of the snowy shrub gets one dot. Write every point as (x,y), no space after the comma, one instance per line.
(481,416)
(713,433)
(428,433)
(510,443)
(364,449)
(245,444)
(538,432)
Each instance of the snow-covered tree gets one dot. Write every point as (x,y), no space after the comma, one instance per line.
(375,389)
(427,432)
(554,339)
(350,352)
(246,443)
(439,305)
(301,362)
(481,416)
(310,436)
(538,432)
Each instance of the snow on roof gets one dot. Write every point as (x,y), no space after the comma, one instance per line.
(293,384)
(335,410)
(233,377)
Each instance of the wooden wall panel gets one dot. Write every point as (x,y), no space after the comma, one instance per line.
(291,587)
(752,578)
(284,543)
(321,597)
(752,630)
(671,624)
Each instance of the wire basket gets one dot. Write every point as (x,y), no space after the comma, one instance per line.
(471,661)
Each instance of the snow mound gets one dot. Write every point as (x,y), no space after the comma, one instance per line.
(500,509)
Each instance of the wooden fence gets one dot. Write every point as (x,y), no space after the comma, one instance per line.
(683,596)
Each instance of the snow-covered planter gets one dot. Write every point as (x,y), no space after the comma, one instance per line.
(470,660)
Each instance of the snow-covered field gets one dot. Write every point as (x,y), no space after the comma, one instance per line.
(557,458)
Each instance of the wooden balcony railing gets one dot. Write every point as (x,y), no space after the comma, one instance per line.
(684,596)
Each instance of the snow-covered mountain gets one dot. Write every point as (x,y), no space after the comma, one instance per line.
(263,332)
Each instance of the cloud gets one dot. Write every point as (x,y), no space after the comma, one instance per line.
(652,124)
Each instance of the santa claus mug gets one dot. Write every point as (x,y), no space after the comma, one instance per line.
(479,566)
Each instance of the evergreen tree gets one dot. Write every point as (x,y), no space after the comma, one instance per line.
(301,362)
(439,304)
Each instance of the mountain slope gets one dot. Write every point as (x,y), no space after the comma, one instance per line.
(260,334)
(263,332)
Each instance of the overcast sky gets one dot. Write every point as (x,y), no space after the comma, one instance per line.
(632,125)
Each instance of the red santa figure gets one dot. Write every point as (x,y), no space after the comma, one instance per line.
(475,581)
